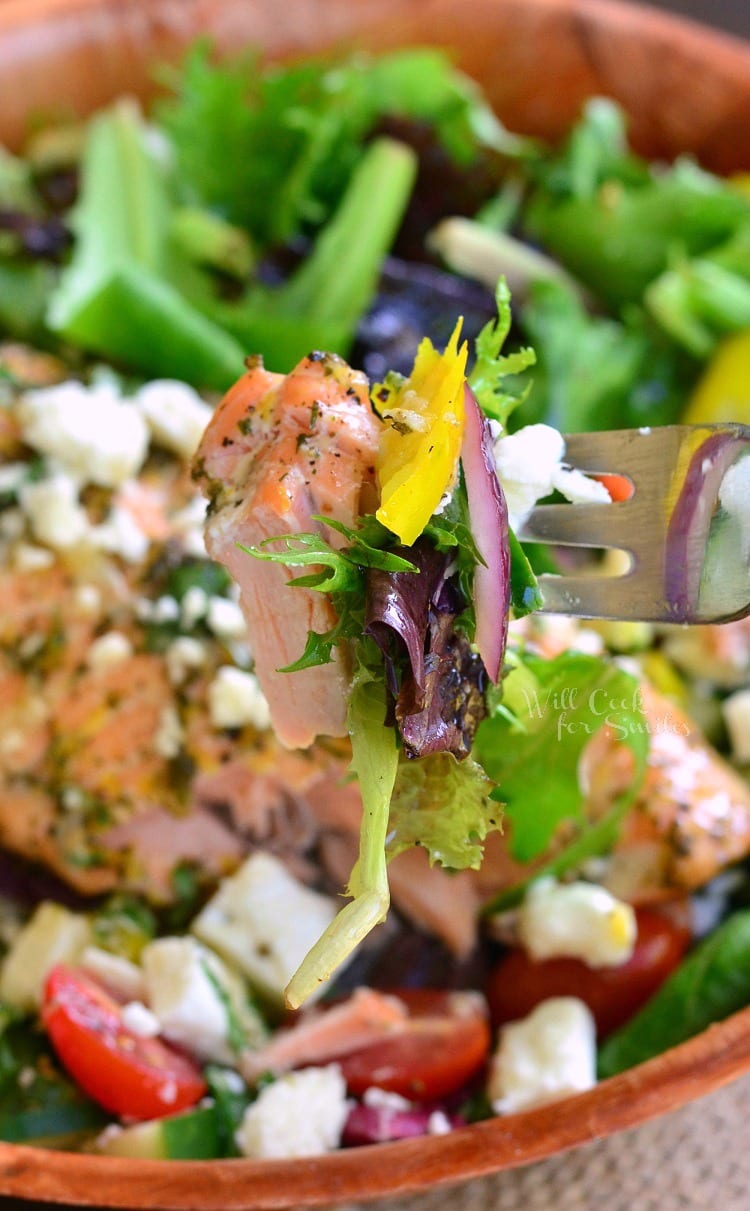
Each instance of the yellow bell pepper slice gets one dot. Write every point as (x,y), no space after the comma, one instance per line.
(723,392)
(741,182)
(421,440)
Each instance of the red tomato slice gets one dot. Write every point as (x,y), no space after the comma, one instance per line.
(443,1044)
(618,486)
(126,1074)
(613,994)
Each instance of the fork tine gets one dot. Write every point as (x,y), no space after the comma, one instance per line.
(686,566)
(585,525)
(594,597)
(626,451)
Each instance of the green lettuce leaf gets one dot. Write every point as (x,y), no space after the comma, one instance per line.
(443,805)
(699,301)
(123,293)
(596,372)
(375,763)
(321,303)
(532,748)
(615,221)
(245,133)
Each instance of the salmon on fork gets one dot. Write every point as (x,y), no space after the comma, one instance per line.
(279,452)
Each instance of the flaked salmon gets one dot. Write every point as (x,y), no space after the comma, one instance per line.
(279,452)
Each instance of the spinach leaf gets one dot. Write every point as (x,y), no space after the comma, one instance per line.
(709,985)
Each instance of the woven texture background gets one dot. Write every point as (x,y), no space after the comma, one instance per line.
(696,1158)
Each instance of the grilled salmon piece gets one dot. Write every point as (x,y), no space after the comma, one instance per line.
(690,820)
(691,817)
(278,452)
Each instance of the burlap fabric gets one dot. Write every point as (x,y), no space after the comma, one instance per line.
(695,1159)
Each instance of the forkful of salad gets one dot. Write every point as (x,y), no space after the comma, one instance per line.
(680,510)
(390,501)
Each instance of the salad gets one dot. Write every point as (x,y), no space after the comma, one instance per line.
(284,365)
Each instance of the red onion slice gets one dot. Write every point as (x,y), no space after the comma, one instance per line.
(488,514)
(378,1124)
(690,521)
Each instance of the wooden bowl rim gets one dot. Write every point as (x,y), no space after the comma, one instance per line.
(695,1068)
(689,1071)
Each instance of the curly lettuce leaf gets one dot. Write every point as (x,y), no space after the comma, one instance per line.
(245,133)
(340,573)
(615,221)
(496,396)
(532,748)
(445,806)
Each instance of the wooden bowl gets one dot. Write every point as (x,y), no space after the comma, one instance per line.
(686,89)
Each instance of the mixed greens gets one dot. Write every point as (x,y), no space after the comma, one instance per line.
(358,206)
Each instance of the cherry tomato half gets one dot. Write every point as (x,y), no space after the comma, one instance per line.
(139,1078)
(613,994)
(618,486)
(441,1046)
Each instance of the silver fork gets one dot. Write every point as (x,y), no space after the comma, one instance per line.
(683,526)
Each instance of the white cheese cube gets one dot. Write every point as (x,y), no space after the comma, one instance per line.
(53,935)
(264,920)
(530,466)
(548,1055)
(199,1002)
(301,1114)
(576,920)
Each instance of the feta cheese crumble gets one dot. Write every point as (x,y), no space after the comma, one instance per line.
(576,920)
(175,414)
(88,432)
(184,656)
(139,1020)
(545,1056)
(169,734)
(530,466)
(301,1114)
(225,618)
(109,650)
(235,699)
(736,711)
(54,514)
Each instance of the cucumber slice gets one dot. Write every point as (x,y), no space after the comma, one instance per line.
(191,1136)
